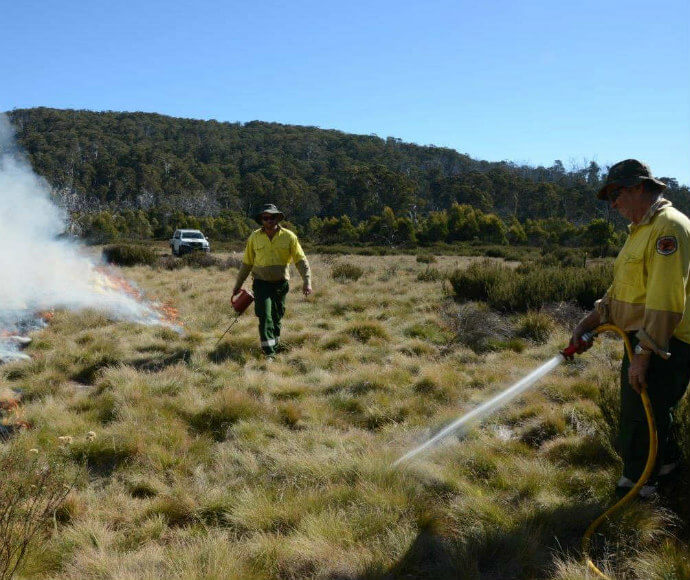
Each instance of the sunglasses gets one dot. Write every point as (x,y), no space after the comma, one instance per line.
(269,218)
(614,195)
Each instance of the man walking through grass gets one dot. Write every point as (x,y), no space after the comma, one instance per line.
(268,254)
(648,299)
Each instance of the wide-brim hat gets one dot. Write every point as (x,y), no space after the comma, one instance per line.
(269,208)
(628,173)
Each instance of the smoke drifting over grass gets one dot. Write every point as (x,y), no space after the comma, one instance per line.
(40,269)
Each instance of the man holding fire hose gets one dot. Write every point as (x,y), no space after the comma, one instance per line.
(648,299)
(268,254)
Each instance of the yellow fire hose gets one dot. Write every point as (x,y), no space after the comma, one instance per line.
(649,467)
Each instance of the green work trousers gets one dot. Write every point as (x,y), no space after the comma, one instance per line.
(269,306)
(667,381)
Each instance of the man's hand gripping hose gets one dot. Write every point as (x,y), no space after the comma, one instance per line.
(579,346)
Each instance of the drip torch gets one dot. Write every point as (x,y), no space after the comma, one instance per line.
(240,301)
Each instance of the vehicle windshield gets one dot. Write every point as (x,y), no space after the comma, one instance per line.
(193,235)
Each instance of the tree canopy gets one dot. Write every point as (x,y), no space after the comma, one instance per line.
(97,161)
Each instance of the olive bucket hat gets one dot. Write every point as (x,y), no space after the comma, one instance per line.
(627,174)
(269,208)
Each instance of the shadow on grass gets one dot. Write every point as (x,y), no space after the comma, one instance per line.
(158,363)
(103,456)
(237,350)
(528,550)
(89,371)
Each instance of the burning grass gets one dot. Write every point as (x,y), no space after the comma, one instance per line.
(205,461)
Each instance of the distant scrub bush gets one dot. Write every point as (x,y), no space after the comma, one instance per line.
(530,288)
(201,260)
(346,272)
(567,257)
(196,260)
(129,255)
(426,258)
(233,262)
(506,253)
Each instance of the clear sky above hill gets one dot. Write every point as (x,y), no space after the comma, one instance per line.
(529,81)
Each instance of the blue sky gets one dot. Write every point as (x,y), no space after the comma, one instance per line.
(525,81)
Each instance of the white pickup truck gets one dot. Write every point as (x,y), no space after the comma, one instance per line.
(184,241)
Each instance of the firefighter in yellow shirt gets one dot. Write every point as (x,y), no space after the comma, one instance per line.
(649,300)
(268,254)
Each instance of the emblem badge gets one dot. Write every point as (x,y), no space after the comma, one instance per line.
(666,245)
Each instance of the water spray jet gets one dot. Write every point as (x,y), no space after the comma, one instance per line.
(498,401)
(521,386)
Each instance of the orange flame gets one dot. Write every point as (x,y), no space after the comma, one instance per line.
(112,280)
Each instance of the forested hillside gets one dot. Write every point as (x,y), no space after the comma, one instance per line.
(141,161)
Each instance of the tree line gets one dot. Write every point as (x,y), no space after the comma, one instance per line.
(115,163)
(459,223)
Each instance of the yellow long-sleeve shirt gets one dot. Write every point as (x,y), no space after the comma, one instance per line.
(269,258)
(649,293)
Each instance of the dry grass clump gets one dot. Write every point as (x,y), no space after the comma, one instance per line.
(208,461)
(476,326)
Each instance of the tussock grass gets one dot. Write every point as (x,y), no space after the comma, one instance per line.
(223,410)
(535,326)
(208,462)
(346,272)
(426,259)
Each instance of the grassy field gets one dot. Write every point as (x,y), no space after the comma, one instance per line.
(190,461)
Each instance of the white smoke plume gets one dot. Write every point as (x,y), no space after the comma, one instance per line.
(39,270)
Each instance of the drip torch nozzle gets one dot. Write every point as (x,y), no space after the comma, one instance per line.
(574,347)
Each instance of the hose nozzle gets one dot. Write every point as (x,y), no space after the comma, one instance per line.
(572,349)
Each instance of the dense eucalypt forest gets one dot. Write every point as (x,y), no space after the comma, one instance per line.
(141,175)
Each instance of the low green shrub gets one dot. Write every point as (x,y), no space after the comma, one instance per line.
(345,271)
(129,255)
(567,257)
(529,288)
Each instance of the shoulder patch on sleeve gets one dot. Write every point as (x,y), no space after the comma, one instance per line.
(666,245)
